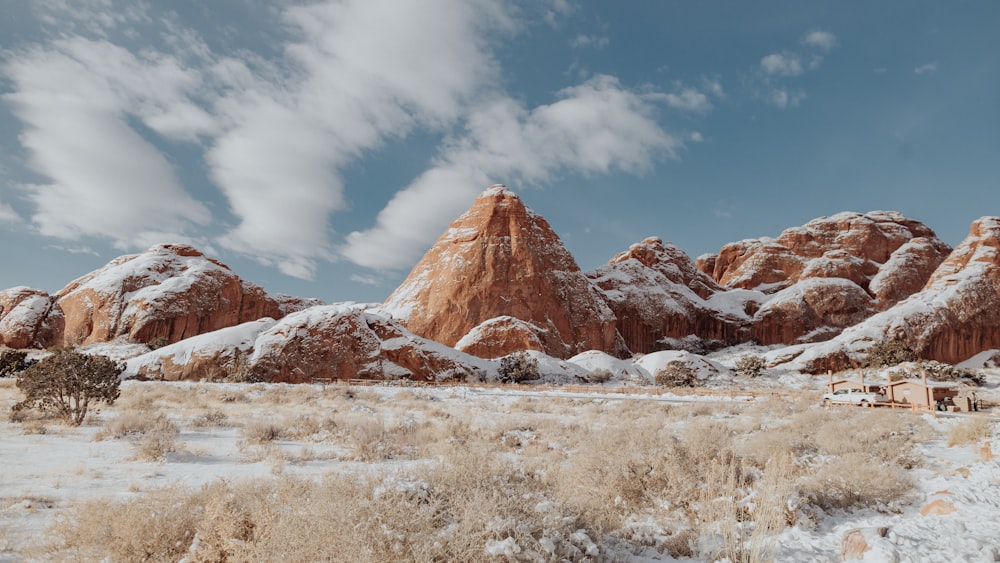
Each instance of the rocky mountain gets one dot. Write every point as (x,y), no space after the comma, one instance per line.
(343,341)
(955,316)
(498,260)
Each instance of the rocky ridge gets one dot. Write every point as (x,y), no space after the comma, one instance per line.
(954,317)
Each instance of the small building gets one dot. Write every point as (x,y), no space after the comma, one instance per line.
(921,393)
(852,384)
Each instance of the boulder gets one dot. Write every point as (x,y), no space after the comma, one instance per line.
(496,337)
(857,543)
(500,259)
(169,293)
(29,318)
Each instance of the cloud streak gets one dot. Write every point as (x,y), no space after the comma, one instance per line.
(593,127)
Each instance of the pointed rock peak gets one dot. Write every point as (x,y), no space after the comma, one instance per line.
(501,259)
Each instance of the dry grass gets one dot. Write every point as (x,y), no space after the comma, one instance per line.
(559,479)
(970,431)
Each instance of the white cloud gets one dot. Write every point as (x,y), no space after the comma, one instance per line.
(929,68)
(595,41)
(696,137)
(782,98)
(365,78)
(713,85)
(121,187)
(594,127)
(822,40)
(8,215)
(688,99)
(782,64)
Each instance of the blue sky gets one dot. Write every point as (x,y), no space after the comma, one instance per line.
(320,147)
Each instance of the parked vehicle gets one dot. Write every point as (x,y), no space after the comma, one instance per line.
(854,397)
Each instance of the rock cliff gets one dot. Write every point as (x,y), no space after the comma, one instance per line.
(657,292)
(955,316)
(500,259)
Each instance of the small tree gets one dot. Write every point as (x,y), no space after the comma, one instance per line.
(13,362)
(517,367)
(676,374)
(889,353)
(750,365)
(67,382)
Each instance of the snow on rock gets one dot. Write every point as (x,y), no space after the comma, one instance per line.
(29,318)
(626,370)
(811,310)
(170,291)
(983,360)
(656,292)
(955,316)
(554,370)
(206,356)
(340,341)
(501,259)
(703,367)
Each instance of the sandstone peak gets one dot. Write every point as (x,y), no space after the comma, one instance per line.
(502,259)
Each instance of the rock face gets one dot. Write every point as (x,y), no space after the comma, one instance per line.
(855,266)
(29,318)
(657,292)
(500,259)
(343,341)
(169,292)
(496,337)
(955,316)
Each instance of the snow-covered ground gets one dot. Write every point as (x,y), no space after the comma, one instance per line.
(48,469)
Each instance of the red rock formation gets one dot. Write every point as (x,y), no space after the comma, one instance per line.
(497,337)
(501,259)
(657,292)
(955,316)
(169,291)
(847,245)
(326,342)
(28,318)
(884,256)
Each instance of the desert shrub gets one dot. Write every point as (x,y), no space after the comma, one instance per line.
(888,353)
(67,382)
(262,432)
(131,422)
(209,419)
(13,362)
(970,431)
(855,480)
(159,440)
(676,374)
(600,375)
(750,365)
(239,370)
(158,342)
(939,371)
(517,367)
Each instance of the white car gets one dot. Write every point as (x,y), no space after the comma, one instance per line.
(854,397)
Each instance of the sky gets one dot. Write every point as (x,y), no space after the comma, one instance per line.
(320,147)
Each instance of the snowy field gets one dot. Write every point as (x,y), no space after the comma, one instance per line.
(510,476)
